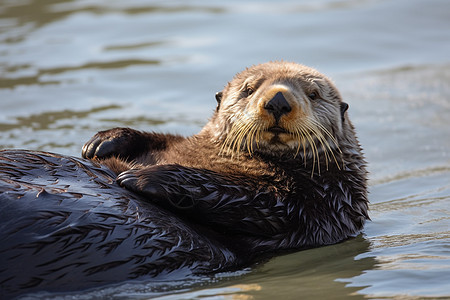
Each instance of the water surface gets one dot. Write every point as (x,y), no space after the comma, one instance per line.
(71,68)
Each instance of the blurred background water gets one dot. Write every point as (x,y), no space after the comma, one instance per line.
(69,68)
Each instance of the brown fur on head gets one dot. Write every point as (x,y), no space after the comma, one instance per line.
(311,120)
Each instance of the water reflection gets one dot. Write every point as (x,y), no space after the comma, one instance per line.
(133,46)
(27,16)
(40,13)
(46,120)
(312,274)
(137,7)
(38,78)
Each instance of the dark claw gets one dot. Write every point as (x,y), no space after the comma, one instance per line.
(106,148)
(128,179)
(100,148)
(89,148)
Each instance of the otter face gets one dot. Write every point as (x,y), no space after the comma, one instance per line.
(280,108)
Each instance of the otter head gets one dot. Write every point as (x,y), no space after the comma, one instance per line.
(279,108)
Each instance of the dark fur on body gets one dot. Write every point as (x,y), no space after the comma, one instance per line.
(278,167)
(66,225)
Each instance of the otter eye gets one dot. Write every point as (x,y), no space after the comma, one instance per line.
(249,91)
(313,96)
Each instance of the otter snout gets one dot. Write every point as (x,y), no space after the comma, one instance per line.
(278,106)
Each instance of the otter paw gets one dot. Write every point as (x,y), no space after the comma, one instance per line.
(103,144)
(155,189)
(130,180)
(97,147)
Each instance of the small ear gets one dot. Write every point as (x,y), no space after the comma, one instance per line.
(219,99)
(344,107)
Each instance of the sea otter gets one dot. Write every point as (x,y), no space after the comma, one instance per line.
(277,167)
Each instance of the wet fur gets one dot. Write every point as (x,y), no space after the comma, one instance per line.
(310,182)
(66,225)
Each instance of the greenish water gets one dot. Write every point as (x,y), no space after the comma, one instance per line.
(71,68)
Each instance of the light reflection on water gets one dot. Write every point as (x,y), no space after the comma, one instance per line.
(71,68)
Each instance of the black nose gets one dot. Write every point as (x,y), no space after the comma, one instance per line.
(278,106)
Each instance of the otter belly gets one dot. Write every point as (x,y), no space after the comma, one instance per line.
(66,225)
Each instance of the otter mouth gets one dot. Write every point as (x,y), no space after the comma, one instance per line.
(277,130)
